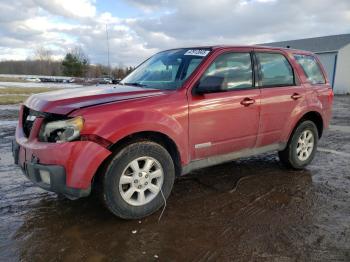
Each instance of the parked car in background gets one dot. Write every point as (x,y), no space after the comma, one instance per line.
(48,79)
(181,110)
(105,80)
(33,79)
(116,80)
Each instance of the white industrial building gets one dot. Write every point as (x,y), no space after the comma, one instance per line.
(334,53)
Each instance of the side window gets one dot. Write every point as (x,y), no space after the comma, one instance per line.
(311,69)
(234,68)
(275,70)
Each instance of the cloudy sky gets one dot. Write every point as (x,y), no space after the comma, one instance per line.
(139,28)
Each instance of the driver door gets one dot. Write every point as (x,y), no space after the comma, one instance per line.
(225,121)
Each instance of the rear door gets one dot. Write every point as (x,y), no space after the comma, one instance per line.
(282,95)
(315,80)
(226,121)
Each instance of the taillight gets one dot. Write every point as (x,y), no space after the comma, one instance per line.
(330,96)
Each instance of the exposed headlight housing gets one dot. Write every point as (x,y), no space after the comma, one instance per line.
(62,130)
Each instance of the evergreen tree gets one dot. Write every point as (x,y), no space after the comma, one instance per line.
(75,63)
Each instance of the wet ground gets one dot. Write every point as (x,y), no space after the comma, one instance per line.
(247,210)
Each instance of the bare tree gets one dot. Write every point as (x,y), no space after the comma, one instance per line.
(44,57)
(79,53)
(43,54)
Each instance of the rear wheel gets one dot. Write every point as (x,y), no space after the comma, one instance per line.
(301,147)
(137,180)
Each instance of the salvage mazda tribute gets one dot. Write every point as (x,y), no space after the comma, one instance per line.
(180,110)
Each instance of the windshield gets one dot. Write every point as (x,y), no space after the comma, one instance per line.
(166,70)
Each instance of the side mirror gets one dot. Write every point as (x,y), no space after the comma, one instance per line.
(210,84)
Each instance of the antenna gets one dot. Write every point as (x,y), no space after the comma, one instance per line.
(108,63)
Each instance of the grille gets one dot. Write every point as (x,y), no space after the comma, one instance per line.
(29,116)
(27,121)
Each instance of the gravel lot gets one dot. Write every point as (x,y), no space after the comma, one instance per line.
(247,210)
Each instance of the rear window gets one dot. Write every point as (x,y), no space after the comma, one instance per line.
(275,70)
(311,69)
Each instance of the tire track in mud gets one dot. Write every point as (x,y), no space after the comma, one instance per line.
(326,150)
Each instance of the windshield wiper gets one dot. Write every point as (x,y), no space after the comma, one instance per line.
(134,84)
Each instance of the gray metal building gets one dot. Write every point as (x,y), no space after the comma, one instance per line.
(334,53)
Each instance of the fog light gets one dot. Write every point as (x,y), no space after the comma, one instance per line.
(45,176)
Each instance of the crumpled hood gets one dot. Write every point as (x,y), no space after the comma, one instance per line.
(66,100)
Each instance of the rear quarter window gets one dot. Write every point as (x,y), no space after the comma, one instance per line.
(311,69)
(275,70)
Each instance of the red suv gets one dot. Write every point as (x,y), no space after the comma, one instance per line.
(180,110)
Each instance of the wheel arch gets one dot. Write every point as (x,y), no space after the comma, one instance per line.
(153,136)
(313,116)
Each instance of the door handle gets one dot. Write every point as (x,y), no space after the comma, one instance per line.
(296,96)
(247,101)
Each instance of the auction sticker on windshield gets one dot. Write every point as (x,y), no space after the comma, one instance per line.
(197,52)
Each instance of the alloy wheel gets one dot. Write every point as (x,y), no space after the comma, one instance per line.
(141,181)
(305,145)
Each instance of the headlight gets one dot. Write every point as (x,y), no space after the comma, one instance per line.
(62,130)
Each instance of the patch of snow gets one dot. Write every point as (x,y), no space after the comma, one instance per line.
(43,85)
(4,123)
(10,107)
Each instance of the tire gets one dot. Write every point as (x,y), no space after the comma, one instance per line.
(297,155)
(132,170)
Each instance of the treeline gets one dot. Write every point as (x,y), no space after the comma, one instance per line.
(75,63)
(31,67)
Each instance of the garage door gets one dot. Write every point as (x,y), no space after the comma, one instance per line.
(328,61)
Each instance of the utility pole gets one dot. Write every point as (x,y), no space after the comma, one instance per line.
(108,62)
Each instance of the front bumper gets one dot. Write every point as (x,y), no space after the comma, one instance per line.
(71,166)
(56,173)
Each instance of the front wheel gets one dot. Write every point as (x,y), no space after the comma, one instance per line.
(301,147)
(138,179)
